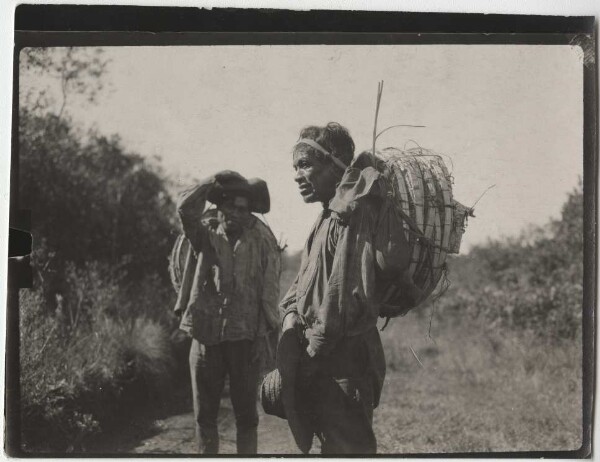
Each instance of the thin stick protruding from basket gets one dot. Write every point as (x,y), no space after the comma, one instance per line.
(379,92)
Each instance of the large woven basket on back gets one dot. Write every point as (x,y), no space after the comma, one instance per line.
(421,188)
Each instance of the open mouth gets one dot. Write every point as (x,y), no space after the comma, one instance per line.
(305,190)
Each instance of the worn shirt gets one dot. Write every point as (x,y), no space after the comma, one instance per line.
(235,288)
(336,291)
(336,288)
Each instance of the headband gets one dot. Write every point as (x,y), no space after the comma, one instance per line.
(313,144)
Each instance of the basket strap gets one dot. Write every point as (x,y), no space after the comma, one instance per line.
(413,226)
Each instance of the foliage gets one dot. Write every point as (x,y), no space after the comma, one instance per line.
(73,71)
(114,202)
(78,364)
(533,282)
(499,354)
(90,199)
(95,331)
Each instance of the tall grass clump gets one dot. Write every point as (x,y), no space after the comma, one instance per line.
(89,361)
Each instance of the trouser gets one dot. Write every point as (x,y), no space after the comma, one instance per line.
(340,398)
(208,370)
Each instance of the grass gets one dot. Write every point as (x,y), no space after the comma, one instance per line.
(478,390)
(86,364)
(500,369)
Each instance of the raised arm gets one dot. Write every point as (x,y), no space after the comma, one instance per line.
(190,208)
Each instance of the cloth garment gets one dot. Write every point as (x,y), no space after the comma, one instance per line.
(209,368)
(228,301)
(339,398)
(229,292)
(336,294)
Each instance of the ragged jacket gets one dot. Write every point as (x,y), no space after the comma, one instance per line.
(336,289)
(227,294)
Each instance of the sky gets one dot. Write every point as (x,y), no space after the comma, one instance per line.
(507,115)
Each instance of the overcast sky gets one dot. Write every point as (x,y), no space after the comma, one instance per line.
(507,115)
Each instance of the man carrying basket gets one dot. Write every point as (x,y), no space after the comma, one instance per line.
(332,306)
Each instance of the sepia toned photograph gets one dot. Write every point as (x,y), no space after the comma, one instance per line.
(269,249)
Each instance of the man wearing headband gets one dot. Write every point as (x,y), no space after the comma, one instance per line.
(332,303)
(231,301)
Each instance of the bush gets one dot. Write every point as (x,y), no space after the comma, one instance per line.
(91,200)
(530,283)
(79,364)
(95,330)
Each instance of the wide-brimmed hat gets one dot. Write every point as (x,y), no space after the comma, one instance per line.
(255,189)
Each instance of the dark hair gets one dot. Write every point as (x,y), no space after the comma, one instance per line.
(333,137)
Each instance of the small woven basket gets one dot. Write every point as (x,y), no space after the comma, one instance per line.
(270,394)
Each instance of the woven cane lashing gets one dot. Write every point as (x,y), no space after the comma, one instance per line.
(419,186)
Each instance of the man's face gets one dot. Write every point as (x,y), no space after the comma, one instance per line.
(316,179)
(234,213)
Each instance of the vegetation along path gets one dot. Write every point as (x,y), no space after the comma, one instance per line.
(450,401)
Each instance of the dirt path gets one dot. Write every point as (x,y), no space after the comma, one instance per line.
(176,435)
(169,429)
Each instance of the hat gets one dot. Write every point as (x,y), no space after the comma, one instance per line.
(231,184)
(278,394)
(270,394)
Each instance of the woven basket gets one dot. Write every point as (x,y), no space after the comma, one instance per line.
(421,187)
(270,394)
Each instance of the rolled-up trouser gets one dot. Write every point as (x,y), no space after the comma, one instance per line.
(208,370)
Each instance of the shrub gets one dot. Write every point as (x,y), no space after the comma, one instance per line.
(533,282)
(91,200)
(78,363)
(97,324)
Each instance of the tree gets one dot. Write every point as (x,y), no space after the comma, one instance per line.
(95,329)
(49,77)
(90,199)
